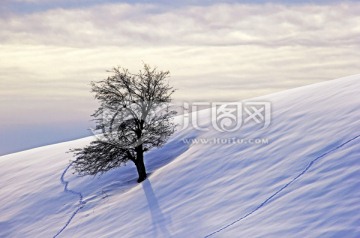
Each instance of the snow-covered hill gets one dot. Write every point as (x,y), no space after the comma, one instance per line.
(303,183)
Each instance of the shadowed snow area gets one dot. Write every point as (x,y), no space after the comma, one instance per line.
(303,183)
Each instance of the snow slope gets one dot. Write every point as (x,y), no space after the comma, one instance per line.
(303,183)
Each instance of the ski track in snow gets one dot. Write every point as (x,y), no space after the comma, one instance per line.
(283,187)
(81,202)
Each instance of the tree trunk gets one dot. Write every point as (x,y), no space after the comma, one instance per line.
(140,166)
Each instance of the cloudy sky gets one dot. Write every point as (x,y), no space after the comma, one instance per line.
(215,50)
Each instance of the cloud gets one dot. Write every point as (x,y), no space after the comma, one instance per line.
(223,52)
(271,25)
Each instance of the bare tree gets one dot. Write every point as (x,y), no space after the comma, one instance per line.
(134,116)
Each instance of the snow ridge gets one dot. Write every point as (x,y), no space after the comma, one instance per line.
(282,188)
(81,202)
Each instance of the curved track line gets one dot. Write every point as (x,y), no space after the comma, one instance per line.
(282,188)
(81,202)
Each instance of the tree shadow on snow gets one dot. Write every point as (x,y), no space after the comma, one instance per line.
(159,220)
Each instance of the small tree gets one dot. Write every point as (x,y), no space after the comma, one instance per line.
(134,116)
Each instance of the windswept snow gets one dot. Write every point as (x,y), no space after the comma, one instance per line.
(303,183)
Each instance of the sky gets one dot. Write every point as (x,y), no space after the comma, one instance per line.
(215,51)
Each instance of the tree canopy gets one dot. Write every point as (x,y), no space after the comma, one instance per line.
(134,116)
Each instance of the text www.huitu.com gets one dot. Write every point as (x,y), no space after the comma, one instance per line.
(233,140)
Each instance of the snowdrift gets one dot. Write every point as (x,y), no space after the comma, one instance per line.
(303,183)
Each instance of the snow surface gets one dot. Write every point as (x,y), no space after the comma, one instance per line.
(303,183)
